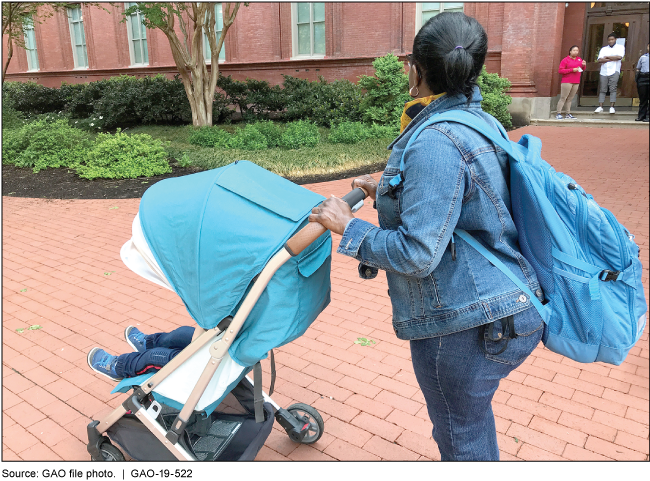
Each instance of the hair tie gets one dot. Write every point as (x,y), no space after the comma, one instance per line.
(459,46)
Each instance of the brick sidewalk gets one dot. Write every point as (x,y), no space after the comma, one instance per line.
(62,270)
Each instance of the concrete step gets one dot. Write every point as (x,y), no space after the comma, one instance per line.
(590,122)
(619,115)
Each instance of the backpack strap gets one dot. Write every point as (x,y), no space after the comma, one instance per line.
(543,311)
(472,121)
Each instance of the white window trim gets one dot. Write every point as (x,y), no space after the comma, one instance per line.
(74,49)
(208,61)
(25,28)
(418,15)
(294,35)
(131,52)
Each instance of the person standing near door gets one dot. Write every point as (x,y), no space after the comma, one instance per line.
(610,57)
(642,84)
(571,67)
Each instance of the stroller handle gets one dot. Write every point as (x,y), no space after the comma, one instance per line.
(314,230)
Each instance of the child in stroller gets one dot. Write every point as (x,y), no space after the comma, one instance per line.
(152,352)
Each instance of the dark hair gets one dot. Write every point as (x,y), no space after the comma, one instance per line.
(572,47)
(451,48)
(612,35)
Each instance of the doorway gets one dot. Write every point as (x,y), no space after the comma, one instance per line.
(631,28)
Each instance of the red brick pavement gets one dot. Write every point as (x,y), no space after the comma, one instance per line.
(62,270)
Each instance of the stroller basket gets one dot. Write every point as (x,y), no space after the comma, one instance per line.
(229,433)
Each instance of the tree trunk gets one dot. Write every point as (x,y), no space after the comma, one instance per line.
(10,53)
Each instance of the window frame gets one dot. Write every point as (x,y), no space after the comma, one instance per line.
(294,33)
(73,40)
(206,44)
(129,33)
(30,27)
(418,13)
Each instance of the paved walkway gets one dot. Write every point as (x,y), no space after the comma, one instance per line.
(62,271)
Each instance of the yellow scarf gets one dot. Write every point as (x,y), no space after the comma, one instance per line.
(414,107)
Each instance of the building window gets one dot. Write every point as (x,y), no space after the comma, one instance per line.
(218,27)
(308,29)
(137,37)
(78,37)
(30,45)
(425,11)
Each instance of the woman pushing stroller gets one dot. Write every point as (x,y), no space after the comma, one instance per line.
(445,295)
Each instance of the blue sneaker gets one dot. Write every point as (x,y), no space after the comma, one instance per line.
(135,338)
(102,362)
(558,117)
(569,116)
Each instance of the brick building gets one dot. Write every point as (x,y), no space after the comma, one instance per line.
(340,40)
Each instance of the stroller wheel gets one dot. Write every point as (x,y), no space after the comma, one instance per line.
(110,453)
(309,415)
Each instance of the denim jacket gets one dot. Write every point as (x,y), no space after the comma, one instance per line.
(453,177)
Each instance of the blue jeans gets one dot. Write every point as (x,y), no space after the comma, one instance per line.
(458,380)
(162,347)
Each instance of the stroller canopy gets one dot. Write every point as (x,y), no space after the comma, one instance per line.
(212,232)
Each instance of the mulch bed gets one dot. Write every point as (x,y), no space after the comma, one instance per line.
(65,184)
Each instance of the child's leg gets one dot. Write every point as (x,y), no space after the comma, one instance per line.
(177,339)
(136,363)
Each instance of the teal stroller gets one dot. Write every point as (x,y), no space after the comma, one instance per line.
(235,245)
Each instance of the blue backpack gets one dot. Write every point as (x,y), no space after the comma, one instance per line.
(586,261)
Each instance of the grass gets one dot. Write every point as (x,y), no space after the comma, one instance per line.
(324,159)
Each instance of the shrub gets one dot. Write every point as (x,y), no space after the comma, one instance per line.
(31,98)
(249,138)
(256,99)
(210,137)
(123,156)
(43,143)
(11,118)
(386,92)
(383,131)
(300,134)
(271,132)
(348,133)
(321,102)
(495,100)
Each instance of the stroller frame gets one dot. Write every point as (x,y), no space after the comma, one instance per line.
(295,427)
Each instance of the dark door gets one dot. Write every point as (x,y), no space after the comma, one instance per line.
(632,28)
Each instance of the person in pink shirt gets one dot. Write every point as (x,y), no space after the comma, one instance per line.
(571,68)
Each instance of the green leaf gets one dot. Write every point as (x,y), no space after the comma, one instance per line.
(35,327)
(516,440)
(108,273)
(20,329)
(111,208)
(23,290)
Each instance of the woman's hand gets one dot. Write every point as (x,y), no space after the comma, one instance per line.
(333,213)
(584,63)
(575,69)
(368,184)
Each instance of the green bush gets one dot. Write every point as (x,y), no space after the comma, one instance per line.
(386,92)
(249,138)
(298,134)
(209,137)
(256,99)
(495,100)
(271,132)
(354,132)
(348,133)
(42,143)
(123,156)
(11,118)
(321,102)
(31,98)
